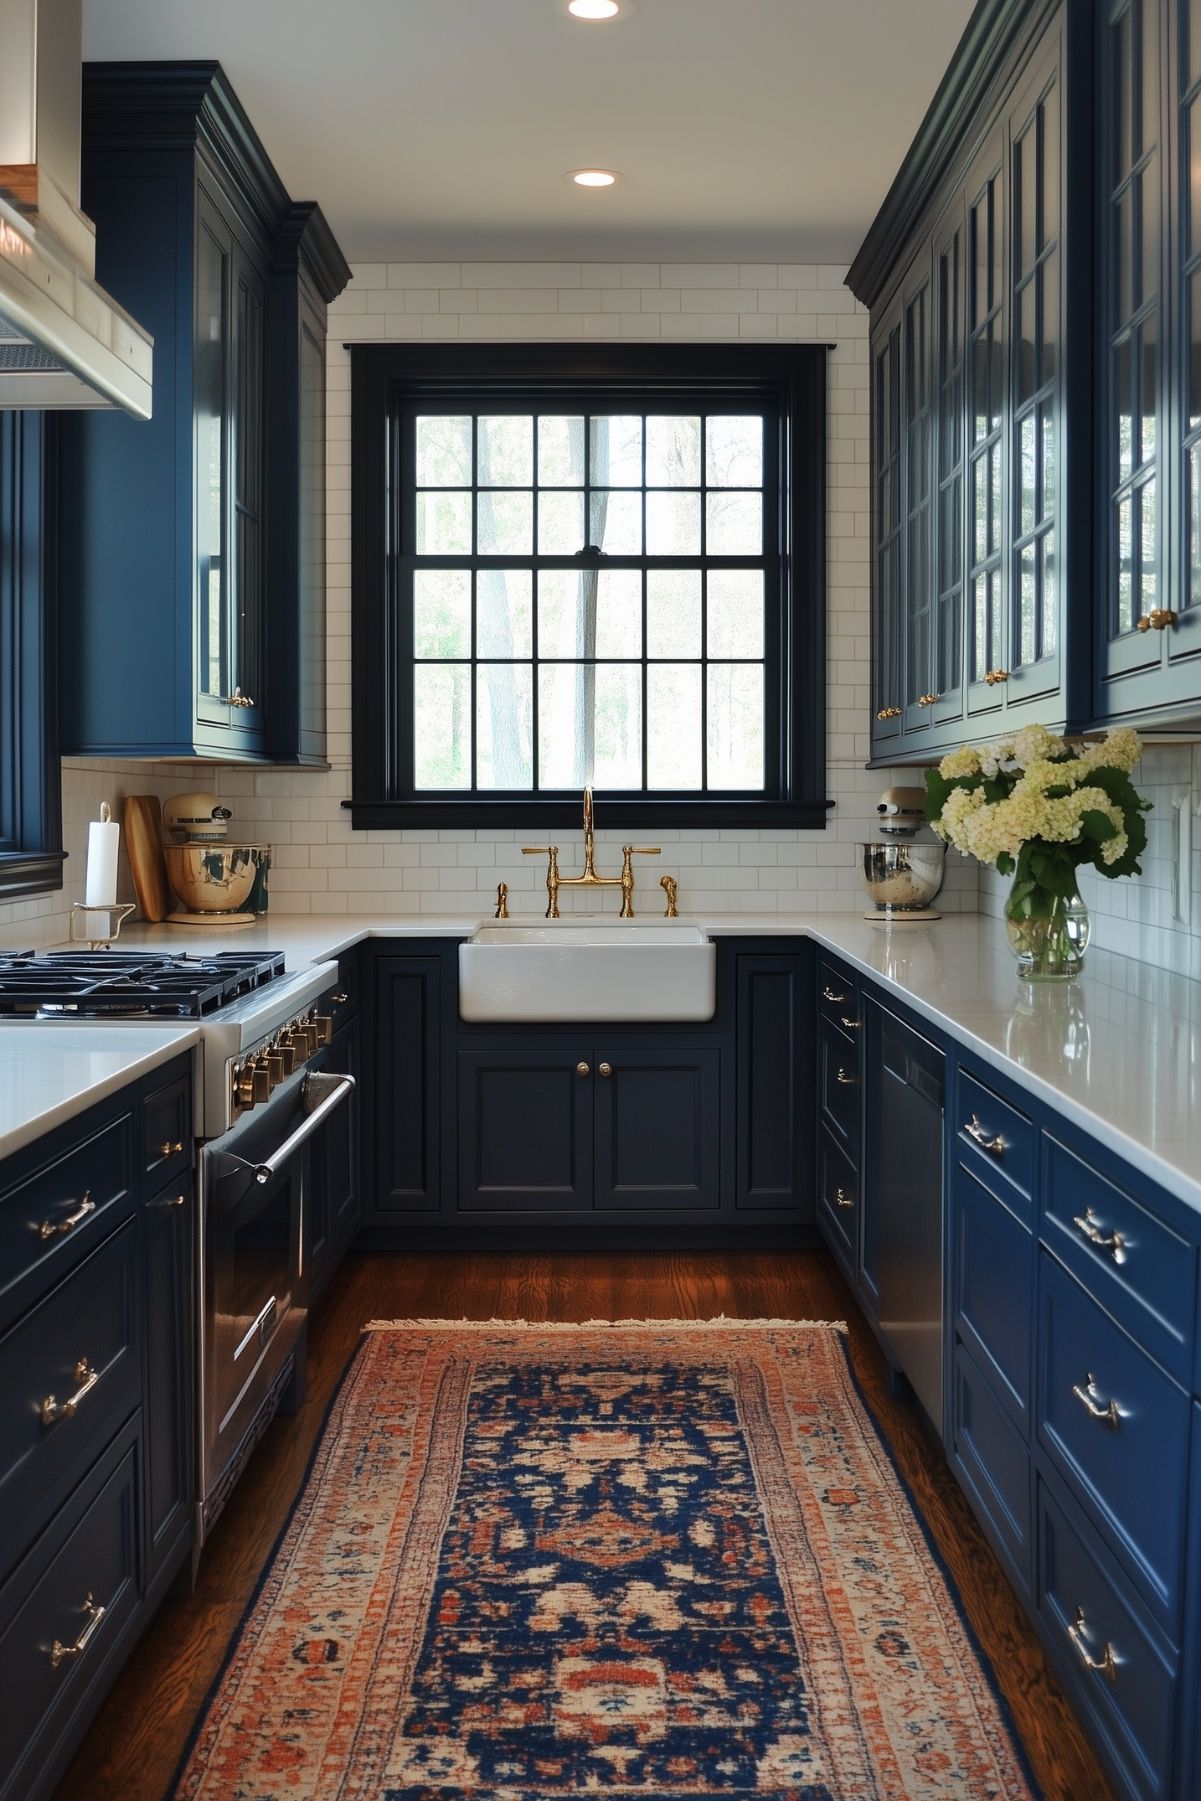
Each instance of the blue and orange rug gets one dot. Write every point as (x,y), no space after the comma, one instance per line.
(657,1561)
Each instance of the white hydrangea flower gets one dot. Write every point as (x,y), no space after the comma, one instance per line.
(960,762)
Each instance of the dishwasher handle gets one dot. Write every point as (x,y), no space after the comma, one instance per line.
(339,1089)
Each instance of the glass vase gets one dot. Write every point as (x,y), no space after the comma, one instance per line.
(1048,933)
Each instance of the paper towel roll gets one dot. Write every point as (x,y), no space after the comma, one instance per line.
(104,837)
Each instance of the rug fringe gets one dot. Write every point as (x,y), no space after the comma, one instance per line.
(722,1321)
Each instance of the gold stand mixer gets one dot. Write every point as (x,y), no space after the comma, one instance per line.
(901,874)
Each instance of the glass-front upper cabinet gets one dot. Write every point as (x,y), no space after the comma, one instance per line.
(918,496)
(887,533)
(1037,165)
(950,280)
(986,381)
(1181,636)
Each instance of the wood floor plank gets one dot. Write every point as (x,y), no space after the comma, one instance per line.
(144,1725)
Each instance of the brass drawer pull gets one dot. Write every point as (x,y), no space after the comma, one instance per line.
(828,994)
(175,1200)
(975,1131)
(53,1410)
(1090,1226)
(58,1650)
(995,676)
(606,1069)
(888,713)
(844,1080)
(927,700)
(1105,1411)
(852,1025)
(582,1069)
(238,699)
(170,1147)
(50,1229)
(1157,620)
(842,1199)
(1107,1664)
(339,999)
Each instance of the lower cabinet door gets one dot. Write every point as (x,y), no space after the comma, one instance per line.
(658,1135)
(837,1200)
(170,1335)
(1119,1670)
(992,1462)
(406,1095)
(525,1130)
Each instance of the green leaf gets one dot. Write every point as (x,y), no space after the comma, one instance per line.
(1097,826)
(1005,863)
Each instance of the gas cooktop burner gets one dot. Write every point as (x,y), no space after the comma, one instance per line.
(129,984)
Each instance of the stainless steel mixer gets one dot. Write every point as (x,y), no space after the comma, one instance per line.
(901,874)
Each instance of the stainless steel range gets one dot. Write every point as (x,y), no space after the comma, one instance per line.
(262,1103)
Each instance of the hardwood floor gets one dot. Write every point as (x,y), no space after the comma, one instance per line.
(133,1748)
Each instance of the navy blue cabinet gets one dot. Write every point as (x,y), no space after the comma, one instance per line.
(525,1128)
(774,1051)
(404,1144)
(657,1125)
(191,529)
(97,1442)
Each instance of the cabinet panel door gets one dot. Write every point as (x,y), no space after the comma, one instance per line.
(170,1333)
(1037,166)
(774,1049)
(987,325)
(917,488)
(525,1130)
(1182,641)
(342,1156)
(406,1085)
(658,1134)
(992,1279)
(950,516)
(1132,451)
(249,300)
(887,535)
(212,359)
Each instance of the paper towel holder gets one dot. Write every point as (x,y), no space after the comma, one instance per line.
(83,931)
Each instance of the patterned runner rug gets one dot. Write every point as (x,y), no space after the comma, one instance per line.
(660,1560)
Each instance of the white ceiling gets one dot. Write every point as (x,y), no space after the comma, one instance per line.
(747,129)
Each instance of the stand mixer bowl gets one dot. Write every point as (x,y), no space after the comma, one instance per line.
(902,876)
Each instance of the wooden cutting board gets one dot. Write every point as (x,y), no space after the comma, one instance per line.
(142,820)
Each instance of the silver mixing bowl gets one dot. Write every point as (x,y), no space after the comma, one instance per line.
(902,877)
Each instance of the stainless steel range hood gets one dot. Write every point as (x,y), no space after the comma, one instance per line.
(64,342)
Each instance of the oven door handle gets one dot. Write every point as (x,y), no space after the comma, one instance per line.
(339,1086)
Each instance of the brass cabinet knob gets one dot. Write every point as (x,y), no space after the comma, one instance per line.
(338,998)
(170,1147)
(888,713)
(927,700)
(1157,620)
(606,1069)
(238,699)
(844,1080)
(582,1069)
(995,676)
(842,1199)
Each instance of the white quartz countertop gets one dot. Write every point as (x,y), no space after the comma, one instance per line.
(1118,1051)
(49,1072)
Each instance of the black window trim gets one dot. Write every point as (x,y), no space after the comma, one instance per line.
(31,850)
(795,375)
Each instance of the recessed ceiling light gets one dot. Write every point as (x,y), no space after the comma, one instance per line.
(593,9)
(593,178)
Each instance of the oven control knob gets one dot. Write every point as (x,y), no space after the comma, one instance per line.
(244,1085)
(306,1039)
(261,1080)
(275,1066)
(285,1050)
(324,1028)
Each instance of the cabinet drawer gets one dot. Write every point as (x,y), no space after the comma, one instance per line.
(838,998)
(86,1325)
(88,1551)
(837,1192)
(1118,1429)
(995,1134)
(61,1211)
(1094,1620)
(1137,1267)
(341,1001)
(992,1462)
(839,1087)
(993,1286)
(167,1129)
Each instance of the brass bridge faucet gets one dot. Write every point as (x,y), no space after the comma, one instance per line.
(589,879)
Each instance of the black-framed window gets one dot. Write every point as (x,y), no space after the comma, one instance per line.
(31,853)
(593,564)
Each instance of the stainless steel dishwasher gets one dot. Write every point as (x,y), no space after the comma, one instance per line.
(903,1197)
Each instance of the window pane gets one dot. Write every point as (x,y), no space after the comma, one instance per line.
(505,523)
(441,725)
(673,451)
(504,725)
(616,451)
(735,613)
(442,613)
(590,725)
(734,525)
(733,451)
(560,523)
(504,609)
(619,613)
(505,447)
(560,451)
(673,613)
(444,451)
(586,613)
(615,523)
(444,525)
(673,724)
(673,524)
(735,725)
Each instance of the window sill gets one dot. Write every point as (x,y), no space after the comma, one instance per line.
(473,814)
(25,874)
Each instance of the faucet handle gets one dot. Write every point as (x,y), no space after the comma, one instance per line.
(641,850)
(539,850)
